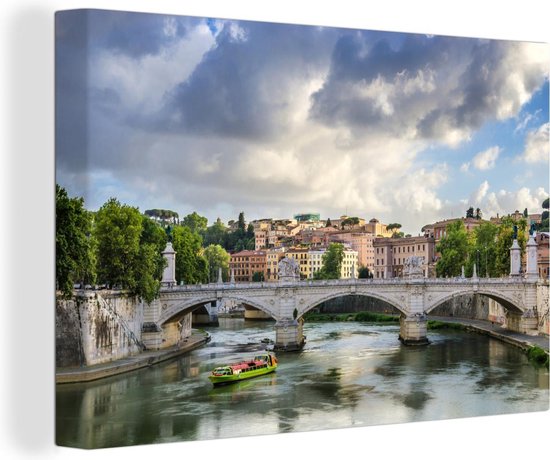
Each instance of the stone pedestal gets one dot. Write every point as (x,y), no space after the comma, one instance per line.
(288,335)
(515,259)
(169,273)
(413,330)
(531,271)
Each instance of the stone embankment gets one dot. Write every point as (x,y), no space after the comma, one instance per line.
(130,363)
(495,330)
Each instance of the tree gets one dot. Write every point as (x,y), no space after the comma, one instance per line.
(117,230)
(191,265)
(217,257)
(479,214)
(393,226)
(73,244)
(470,213)
(504,241)
(364,272)
(258,276)
(545,204)
(215,234)
(150,263)
(484,249)
(195,223)
(525,213)
(241,224)
(164,215)
(332,262)
(455,248)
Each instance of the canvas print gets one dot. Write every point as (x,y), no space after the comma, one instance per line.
(268,228)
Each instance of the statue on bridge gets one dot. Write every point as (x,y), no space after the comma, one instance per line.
(412,267)
(289,270)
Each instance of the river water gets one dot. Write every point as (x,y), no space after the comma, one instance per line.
(349,374)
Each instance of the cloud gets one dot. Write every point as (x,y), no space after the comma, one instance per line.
(444,88)
(486,160)
(506,201)
(481,192)
(536,145)
(223,116)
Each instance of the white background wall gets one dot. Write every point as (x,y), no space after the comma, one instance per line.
(27,241)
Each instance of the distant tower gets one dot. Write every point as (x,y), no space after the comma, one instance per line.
(169,274)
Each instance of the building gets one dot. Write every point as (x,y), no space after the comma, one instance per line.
(349,263)
(273,256)
(362,242)
(378,229)
(391,254)
(300,255)
(543,239)
(245,263)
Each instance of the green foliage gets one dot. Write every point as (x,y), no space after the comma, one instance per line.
(332,262)
(195,223)
(393,226)
(455,248)
(484,249)
(538,355)
(434,325)
(470,212)
(242,224)
(217,257)
(129,249)
(364,272)
(118,231)
(363,316)
(504,242)
(545,204)
(329,223)
(398,235)
(350,222)
(215,234)
(164,215)
(258,276)
(191,265)
(75,261)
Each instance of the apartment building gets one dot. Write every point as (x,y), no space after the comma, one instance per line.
(362,242)
(391,254)
(543,239)
(245,263)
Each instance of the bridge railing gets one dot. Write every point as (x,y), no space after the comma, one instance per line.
(349,282)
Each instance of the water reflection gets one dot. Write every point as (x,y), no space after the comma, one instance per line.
(348,374)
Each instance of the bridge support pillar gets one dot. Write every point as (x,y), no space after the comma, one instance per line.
(413,330)
(289,335)
(526,323)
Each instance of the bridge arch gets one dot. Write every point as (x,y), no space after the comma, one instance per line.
(191,305)
(506,302)
(335,295)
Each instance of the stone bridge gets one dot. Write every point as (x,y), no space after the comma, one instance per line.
(289,299)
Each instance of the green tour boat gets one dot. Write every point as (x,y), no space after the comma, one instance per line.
(261,364)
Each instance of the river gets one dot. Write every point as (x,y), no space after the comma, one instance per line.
(349,374)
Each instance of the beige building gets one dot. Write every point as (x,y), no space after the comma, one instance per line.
(349,263)
(542,239)
(300,255)
(273,256)
(391,254)
(378,229)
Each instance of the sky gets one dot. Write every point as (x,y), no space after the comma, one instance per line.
(223,116)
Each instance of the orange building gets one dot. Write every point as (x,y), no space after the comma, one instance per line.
(245,263)
(542,239)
